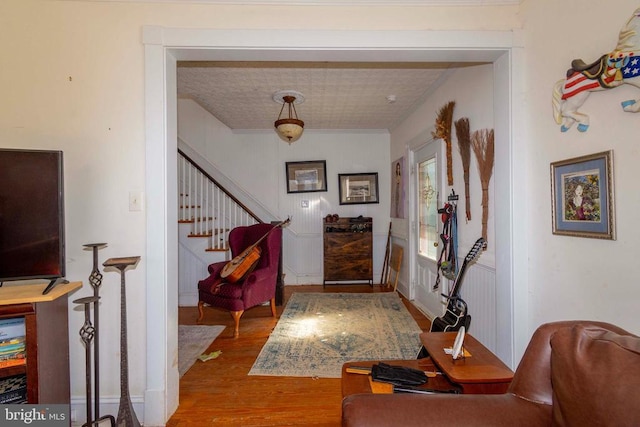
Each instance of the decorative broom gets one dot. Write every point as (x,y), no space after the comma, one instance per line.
(483,146)
(443,131)
(464,145)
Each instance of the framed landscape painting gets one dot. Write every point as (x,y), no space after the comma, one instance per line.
(306,177)
(582,201)
(358,188)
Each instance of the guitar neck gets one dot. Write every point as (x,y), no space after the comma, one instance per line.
(278,225)
(473,254)
(458,281)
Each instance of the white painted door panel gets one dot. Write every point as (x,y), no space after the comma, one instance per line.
(428,188)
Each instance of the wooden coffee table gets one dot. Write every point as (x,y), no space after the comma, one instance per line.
(359,383)
(480,373)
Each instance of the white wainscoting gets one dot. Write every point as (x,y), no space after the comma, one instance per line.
(193,261)
(302,259)
(479,292)
(478,289)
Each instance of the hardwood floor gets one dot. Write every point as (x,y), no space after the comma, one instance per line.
(219,392)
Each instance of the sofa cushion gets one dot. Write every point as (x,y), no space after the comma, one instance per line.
(596,377)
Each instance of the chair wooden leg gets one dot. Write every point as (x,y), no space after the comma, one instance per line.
(200,311)
(273,307)
(236,318)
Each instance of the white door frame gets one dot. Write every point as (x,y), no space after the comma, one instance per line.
(417,144)
(164,46)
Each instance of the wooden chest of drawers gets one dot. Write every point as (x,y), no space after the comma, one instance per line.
(348,248)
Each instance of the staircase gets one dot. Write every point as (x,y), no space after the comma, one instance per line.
(209,209)
(207,212)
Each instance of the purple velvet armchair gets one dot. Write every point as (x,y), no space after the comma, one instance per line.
(256,287)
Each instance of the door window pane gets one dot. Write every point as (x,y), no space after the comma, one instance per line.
(427,208)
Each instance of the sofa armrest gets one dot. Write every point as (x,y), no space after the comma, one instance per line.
(445,410)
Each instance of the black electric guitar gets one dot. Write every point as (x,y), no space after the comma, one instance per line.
(457,314)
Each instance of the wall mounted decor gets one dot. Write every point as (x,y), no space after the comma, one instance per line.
(306,177)
(443,131)
(397,188)
(582,203)
(483,146)
(620,66)
(464,145)
(358,188)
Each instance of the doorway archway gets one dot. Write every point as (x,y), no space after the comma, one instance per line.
(165,46)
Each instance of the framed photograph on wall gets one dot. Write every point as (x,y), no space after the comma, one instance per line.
(582,202)
(306,177)
(358,188)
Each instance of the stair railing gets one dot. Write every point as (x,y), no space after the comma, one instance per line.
(210,209)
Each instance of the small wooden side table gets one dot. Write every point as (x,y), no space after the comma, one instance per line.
(480,373)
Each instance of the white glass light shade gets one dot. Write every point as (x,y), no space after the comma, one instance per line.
(289,130)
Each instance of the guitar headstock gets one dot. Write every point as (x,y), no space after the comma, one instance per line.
(283,224)
(476,250)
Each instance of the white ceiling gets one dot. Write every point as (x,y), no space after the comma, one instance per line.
(337,95)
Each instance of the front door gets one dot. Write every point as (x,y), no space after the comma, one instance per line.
(428,188)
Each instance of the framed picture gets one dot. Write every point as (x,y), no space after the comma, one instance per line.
(582,202)
(306,177)
(397,188)
(358,188)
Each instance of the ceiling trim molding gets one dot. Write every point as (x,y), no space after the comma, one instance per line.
(388,3)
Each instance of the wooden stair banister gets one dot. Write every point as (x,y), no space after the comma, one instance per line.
(224,190)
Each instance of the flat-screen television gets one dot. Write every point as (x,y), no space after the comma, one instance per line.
(32,244)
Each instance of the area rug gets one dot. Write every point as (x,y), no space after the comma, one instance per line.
(193,340)
(317,333)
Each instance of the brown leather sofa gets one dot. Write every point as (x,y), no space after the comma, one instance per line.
(573,373)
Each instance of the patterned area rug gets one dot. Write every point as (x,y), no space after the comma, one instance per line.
(317,333)
(193,340)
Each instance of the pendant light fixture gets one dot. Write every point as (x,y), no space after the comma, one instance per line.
(289,128)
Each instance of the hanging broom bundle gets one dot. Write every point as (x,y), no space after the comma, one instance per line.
(464,145)
(444,120)
(483,147)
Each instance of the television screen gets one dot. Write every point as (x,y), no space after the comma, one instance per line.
(31,215)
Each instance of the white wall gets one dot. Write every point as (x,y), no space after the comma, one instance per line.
(472,90)
(572,277)
(72,78)
(255,161)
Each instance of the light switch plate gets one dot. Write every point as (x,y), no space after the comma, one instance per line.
(304,203)
(135,201)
